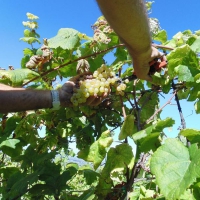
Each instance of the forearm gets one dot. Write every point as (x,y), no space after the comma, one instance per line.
(128,19)
(19,99)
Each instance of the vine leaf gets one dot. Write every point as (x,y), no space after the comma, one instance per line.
(183,55)
(176,167)
(18,76)
(18,183)
(184,73)
(97,151)
(89,175)
(11,147)
(127,127)
(148,139)
(191,134)
(66,38)
(88,195)
(196,45)
(161,36)
(197,107)
(118,159)
(30,40)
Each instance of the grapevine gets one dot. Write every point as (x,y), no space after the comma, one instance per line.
(104,79)
(122,142)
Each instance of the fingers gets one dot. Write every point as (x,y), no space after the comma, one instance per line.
(86,75)
(96,100)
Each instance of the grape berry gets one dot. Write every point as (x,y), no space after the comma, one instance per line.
(103,79)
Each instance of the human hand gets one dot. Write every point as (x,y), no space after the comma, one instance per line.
(67,90)
(142,63)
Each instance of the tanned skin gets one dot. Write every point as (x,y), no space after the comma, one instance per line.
(129,20)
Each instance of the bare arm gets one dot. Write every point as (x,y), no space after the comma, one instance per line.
(19,99)
(128,19)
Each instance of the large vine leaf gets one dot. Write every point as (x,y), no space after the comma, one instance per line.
(66,38)
(176,167)
(97,151)
(18,76)
(119,160)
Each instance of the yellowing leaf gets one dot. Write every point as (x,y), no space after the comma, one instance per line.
(97,151)
(127,127)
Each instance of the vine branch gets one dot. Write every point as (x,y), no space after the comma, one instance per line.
(88,56)
(161,108)
(183,123)
(73,61)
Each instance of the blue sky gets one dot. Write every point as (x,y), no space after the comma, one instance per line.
(174,16)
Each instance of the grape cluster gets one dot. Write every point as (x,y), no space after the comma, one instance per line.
(100,84)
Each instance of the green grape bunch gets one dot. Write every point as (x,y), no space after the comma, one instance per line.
(101,83)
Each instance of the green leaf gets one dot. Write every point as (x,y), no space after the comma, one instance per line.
(118,159)
(7,172)
(191,134)
(66,38)
(11,147)
(161,36)
(196,45)
(97,151)
(18,184)
(30,33)
(148,139)
(11,124)
(69,70)
(176,167)
(161,124)
(148,102)
(39,190)
(184,73)
(182,56)
(30,40)
(90,175)
(197,106)
(18,76)
(39,52)
(87,195)
(64,177)
(127,127)
(28,52)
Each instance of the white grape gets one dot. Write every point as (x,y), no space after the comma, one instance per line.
(103,79)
